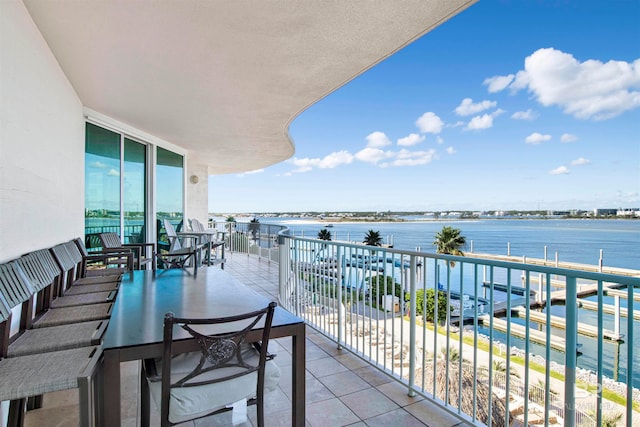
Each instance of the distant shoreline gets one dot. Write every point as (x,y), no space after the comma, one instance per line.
(392,219)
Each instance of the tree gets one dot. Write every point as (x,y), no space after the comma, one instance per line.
(384,285)
(254,227)
(449,241)
(231,219)
(324,234)
(372,238)
(426,304)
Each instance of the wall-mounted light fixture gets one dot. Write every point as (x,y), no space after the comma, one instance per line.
(194,179)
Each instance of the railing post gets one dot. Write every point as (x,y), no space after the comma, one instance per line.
(571,340)
(283,266)
(616,315)
(412,325)
(339,295)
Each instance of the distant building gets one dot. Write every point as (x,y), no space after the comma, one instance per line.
(633,212)
(605,212)
(558,213)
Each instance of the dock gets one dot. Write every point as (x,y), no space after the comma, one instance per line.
(518,290)
(559,264)
(560,323)
(608,309)
(557,343)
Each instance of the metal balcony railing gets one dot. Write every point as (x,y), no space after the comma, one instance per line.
(450,327)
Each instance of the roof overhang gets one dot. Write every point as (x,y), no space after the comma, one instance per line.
(224,79)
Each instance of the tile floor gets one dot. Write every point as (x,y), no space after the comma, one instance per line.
(342,389)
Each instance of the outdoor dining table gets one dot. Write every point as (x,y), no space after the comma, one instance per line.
(135,330)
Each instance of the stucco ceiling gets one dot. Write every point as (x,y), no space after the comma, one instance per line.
(224,79)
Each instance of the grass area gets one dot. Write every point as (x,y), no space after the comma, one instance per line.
(607,394)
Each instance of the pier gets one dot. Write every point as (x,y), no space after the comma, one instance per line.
(560,323)
(539,299)
(556,342)
(556,263)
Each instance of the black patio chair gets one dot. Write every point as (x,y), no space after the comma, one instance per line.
(188,385)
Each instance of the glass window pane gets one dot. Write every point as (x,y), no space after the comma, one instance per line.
(102,183)
(134,191)
(169,192)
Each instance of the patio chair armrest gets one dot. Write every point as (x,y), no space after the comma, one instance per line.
(141,246)
(114,251)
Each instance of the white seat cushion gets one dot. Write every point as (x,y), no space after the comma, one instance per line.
(192,402)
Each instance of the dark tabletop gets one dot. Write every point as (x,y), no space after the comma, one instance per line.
(144,297)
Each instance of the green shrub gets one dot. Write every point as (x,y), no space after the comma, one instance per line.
(427,312)
(377,288)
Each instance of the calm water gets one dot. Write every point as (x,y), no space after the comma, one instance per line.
(574,240)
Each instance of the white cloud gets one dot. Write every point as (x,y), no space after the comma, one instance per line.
(536,138)
(581,161)
(372,155)
(524,115)
(429,123)
(336,159)
(467,107)
(483,122)
(377,140)
(451,150)
(411,139)
(98,164)
(498,83)
(113,172)
(457,124)
(329,161)
(439,140)
(567,137)
(412,158)
(586,90)
(562,170)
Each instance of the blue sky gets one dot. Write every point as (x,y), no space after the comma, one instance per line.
(508,105)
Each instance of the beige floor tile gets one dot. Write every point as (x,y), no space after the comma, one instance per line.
(344,383)
(368,403)
(330,413)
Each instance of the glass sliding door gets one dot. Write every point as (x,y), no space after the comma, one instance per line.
(117,188)
(169,193)
(134,192)
(102,183)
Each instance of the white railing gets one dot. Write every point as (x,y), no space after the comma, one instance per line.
(380,304)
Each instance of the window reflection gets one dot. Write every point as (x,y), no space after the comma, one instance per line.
(134,192)
(169,193)
(102,183)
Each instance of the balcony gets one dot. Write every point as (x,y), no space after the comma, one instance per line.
(342,389)
(373,358)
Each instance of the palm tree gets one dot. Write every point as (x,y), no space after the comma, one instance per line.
(254,227)
(372,238)
(230,219)
(500,366)
(449,241)
(324,234)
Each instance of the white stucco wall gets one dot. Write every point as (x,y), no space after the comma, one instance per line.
(41,141)
(198,193)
